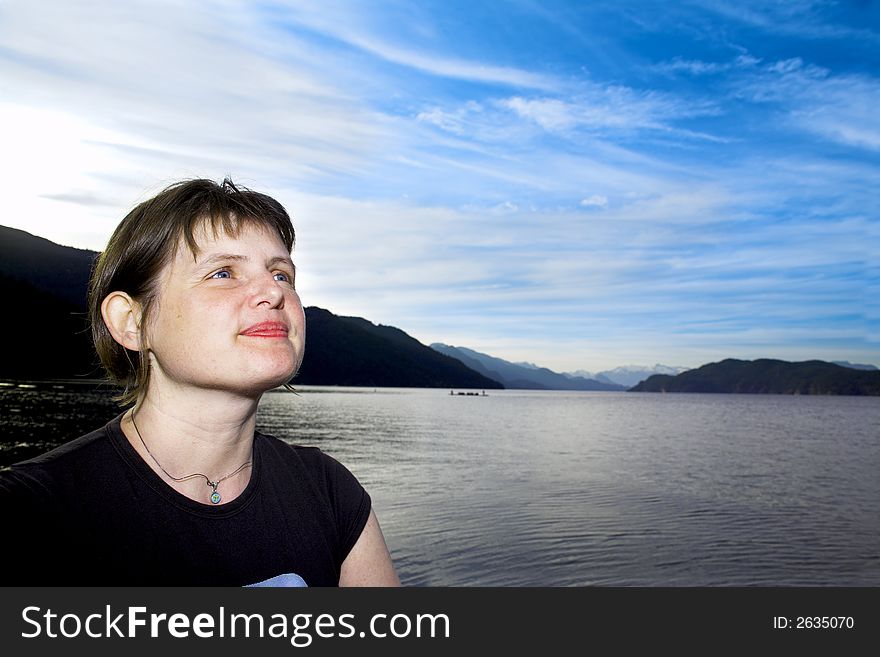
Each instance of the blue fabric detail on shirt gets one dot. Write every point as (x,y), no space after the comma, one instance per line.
(287,579)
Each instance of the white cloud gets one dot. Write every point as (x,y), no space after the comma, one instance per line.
(506,207)
(746,61)
(460,121)
(556,115)
(799,18)
(698,67)
(786,65)
(595,201)
(345,22)
(609,108)
(694,67)
(841,108)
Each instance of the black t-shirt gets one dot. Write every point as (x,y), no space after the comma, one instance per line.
(93,513)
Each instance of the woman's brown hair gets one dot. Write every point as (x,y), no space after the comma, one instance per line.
(147,239)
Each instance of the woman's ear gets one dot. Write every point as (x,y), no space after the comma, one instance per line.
(122,316)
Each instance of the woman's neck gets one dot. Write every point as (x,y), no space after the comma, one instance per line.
(210,433)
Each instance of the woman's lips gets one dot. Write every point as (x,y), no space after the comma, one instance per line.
(267,330)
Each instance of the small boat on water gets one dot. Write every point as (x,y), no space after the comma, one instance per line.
(469,394)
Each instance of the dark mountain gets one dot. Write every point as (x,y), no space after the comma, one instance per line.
(521,377)
(43,336)
(813,377)
(46,334)
(62,271)
(352,351)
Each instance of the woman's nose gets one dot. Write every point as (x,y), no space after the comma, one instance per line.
(268,291)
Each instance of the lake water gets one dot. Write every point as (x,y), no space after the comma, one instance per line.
(535,488)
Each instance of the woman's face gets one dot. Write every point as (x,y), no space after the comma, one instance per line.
(230,319)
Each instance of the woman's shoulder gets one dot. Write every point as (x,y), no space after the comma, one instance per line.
(68,459)
(279,453)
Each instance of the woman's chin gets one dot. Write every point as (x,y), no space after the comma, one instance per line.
(255,375)
(277,375)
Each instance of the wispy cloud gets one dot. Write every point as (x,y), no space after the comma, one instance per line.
(838,107)
(595,201)
(344,22)
(802,18)
(608,108)
(698,67)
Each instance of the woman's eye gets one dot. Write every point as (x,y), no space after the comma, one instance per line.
(281,276)
(223,273)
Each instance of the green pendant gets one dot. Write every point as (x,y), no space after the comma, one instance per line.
(215,497)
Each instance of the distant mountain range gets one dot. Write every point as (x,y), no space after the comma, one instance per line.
(628,375)
(521,375)
(46,336)
(813,377)
(854,366)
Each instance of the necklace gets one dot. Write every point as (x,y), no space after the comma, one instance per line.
(215,496)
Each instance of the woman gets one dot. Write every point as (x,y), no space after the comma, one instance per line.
(194,311)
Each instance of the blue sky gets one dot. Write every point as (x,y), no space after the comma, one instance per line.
(579,185)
